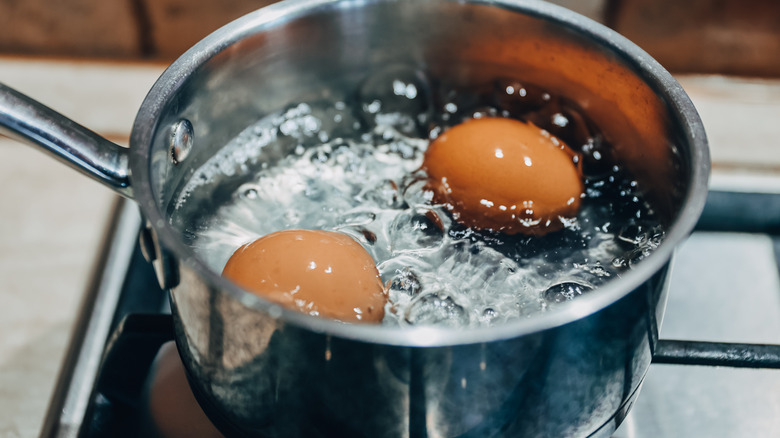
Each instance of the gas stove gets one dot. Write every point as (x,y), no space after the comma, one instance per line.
(725,287)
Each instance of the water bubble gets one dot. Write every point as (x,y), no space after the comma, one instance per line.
(298,122)
(393,125)
(365,181)
(373,107)
(385,194)
(489,315)
(292,218)
(365,237)
(636,256)
(434,132)
(335,120)
(369,235)
(565,291)
(415,191)
(595,269)
(314,190)
(320,156)
(416,230)
(397,145)
(397,96)
(356,218)
(518,98)
(349,158)
(484,111)
(645,248)
(248,191)
(405,281)
(559,119)
(459,102)
(596,160)
(436,309)
(633,233)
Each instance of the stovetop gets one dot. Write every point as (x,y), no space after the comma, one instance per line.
(725,287)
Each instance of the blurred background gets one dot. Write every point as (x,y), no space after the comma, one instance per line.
(738,37)
(94,61)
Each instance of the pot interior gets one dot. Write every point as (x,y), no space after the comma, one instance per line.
(303,52)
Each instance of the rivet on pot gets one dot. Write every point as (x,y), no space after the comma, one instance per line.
(181,140)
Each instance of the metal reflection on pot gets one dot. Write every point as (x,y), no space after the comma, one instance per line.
(572,370)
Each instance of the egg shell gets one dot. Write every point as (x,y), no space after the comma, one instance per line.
(505,175)
(317,272)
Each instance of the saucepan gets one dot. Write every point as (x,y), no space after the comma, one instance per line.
(262,370)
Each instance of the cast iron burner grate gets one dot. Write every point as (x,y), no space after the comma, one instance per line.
(125,319)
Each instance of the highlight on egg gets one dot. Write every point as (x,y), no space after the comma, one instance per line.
(505,175)
(317,272)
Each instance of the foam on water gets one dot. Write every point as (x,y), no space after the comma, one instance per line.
(355,169)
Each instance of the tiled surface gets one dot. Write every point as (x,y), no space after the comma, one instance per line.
(53,218)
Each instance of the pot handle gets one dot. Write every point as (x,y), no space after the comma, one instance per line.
(727,211)
(28,120)
(718,354)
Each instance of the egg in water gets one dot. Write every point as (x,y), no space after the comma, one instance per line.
(317,272)
(505,175)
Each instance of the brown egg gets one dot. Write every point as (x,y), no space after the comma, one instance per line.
(172,406)
(504,175)
(316,272)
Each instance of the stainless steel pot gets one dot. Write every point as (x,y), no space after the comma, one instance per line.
(260,370)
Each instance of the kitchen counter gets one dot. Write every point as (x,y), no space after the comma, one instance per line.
(53,219)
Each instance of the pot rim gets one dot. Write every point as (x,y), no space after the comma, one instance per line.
(643,65)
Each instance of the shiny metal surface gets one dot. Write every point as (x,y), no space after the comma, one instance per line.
(216,85)
(274,379)
(724,287)
(675,400)
(717,354)
(260,369)
(79,373)
(71,143)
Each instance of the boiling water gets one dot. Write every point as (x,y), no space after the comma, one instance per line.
(353,167)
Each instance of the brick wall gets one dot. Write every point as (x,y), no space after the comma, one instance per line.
(156,29)
(739,37)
